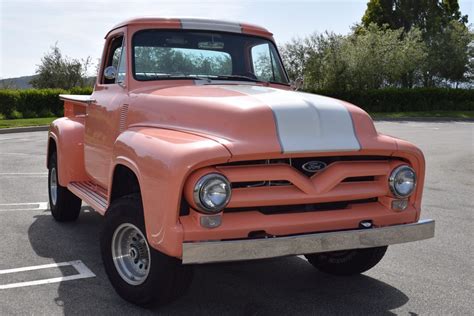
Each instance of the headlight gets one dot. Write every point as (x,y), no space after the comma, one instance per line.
(402,181)
(212,193)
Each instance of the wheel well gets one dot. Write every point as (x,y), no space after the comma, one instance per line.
(124,182)
(51,149)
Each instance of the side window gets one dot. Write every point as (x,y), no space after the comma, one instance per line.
(121,70)
(264,63)
(114,58)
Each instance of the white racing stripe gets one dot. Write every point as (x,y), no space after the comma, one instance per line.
(81,268)
(306,122)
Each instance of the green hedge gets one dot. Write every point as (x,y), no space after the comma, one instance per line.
(45,102)
(407,100)
(34,102)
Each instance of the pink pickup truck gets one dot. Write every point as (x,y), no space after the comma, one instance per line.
(196,149)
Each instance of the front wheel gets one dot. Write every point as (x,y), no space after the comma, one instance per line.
(138,273)
(347,262)
(64,205)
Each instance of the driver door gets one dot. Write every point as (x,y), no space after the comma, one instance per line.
(103,116)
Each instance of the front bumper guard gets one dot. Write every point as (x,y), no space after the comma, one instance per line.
(249,249)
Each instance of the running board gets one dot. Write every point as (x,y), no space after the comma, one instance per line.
(90,193)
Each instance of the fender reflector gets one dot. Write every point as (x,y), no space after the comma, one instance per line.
(211,221)
(399,205)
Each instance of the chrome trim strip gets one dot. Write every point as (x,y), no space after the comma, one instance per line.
(77,98)
(249,249)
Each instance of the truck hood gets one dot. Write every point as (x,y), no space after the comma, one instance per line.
(253,120)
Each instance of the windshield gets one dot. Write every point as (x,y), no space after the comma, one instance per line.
(181,54)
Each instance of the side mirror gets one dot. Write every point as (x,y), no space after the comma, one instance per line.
(297,84)
(110,73)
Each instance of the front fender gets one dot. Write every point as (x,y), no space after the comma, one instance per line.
(68,134)
(162,159)
(417,160)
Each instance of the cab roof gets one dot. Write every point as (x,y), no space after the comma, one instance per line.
(195,24)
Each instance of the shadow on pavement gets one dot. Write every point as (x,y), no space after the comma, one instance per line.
(278,286)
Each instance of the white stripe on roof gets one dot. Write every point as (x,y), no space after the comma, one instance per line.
(203,24)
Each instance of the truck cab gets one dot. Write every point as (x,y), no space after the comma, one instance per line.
(196,149)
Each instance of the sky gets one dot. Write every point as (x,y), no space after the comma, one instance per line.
(29,28)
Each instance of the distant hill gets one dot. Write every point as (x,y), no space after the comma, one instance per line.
(16,83)
(24,82)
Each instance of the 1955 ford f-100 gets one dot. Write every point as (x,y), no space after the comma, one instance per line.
(196,149)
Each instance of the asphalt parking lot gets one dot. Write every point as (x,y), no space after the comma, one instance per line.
(433,277)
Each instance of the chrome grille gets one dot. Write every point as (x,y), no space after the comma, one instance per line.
(298,164)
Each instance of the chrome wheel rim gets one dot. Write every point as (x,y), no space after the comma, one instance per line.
(131,254)
(53,185)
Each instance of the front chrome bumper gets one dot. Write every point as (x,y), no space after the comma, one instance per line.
(249,249)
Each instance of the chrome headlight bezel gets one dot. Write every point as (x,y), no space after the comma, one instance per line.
(200,187)
(393,177)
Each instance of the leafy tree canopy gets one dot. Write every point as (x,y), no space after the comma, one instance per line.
(58,71)
(375,57)
(430,16)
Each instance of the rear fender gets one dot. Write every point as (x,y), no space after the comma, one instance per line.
(161,160)
(68,135)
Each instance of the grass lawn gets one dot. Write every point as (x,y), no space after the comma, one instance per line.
(428,114)
(26,122)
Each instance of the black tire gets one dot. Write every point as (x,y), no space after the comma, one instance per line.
(167,278)
(347,262)
(66,206)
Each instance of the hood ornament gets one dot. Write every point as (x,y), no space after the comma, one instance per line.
(314,166)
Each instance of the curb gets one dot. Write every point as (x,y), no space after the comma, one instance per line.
(423,119)
(24,129)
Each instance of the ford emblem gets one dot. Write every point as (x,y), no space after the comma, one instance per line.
(314,166)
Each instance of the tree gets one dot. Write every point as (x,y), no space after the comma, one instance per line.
(450,56)
(372,58)
(328,65)
(318,59)
(380,57)
(428,15)
(443,28)
(295,55)
(57,71)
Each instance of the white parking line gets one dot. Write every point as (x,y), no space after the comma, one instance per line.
(22,173)
(38,206)
(16,139)
(17,154)
(81,268)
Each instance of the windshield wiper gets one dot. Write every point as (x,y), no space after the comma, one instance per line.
(207,77)
(156,76)
(246,78)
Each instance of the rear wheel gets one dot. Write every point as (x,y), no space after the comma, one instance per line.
(138,273)
(347,262)
(64,205)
